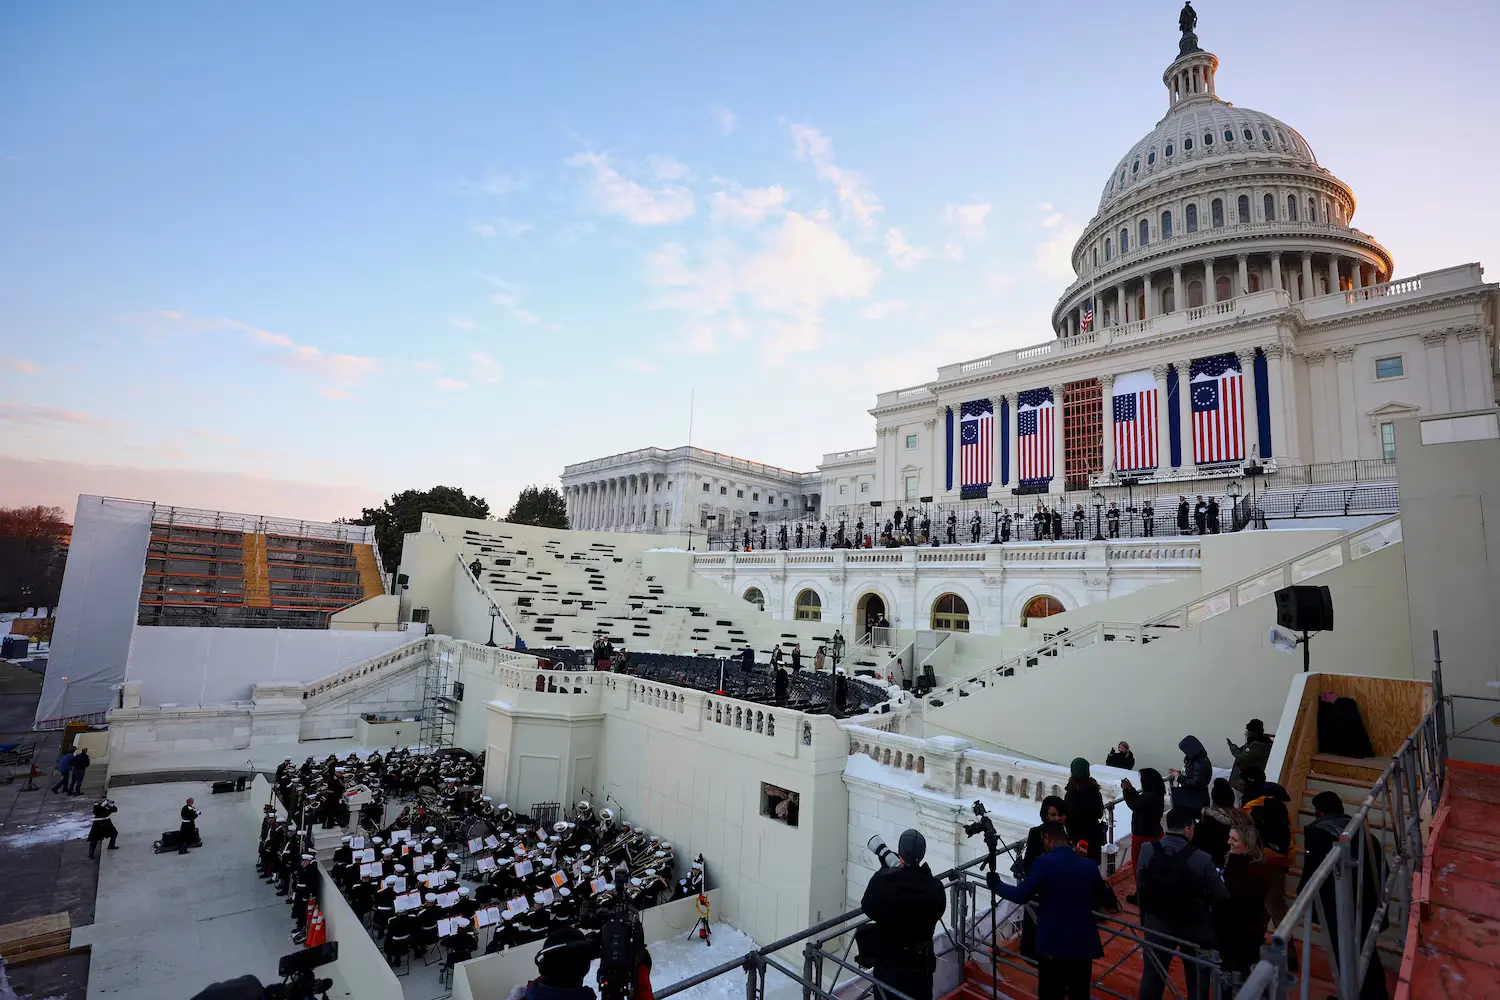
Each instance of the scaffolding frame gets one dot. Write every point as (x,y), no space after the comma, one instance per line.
(439,703)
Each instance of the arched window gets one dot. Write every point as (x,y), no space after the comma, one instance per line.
(1166,225)
(1291,207)
(1265,135)
(950,614)
(1312,210)
(1168,299)
(1268,206)
(1187,144)
(1096,256)
(1249,136)
(1208,139)
(1151,158)
(1135,167)
(755,597)
(809,606)
(1195,294)
(1041,606)
(1216,212)
(1169,150)
(1221,289)
(1109,248)
(1145,233)
(1244,208)
(1124,240)
(1229,135)
(1192,217)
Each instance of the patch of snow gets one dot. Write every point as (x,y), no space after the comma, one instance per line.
(67,828)
(675,959)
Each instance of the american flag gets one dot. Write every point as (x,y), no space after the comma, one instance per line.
(1135,421)
(1088,317)
(1034,429)
(1218,410)
(976,448)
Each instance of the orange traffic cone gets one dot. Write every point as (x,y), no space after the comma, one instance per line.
(317,930)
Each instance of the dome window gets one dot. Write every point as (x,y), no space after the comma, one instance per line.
(1265,135)
(1243,208)
(1208,139)
(1166,225)
(1268,207)
(1169,149)
(1229,135)
(1187,144)
(1291,207)
(1192,218)
(1216,212)
(1135,167)
(1109,249)
(1145,237)
(1249,136)
(1124,240)
(1280,138)
(1122,176)
(1151,158)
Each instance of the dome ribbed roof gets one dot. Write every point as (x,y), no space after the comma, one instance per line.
(1202,131)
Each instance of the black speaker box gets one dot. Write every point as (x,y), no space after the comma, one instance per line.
(1305,609)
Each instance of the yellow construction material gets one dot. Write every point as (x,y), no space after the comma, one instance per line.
(369,571)
(257,575)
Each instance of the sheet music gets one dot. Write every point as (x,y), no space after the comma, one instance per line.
(399,835)
(410,901)
(523,868)
(399,883)
(559,879)
(486,864)
(544,897)
(357,843)
(371,870)
(518,905)
(448,899)
(492,841)
(476,845)
(599,884)
(488,916)
(447,927)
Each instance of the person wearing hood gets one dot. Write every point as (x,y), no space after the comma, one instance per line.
(1084,805)
(1212,832)
(905,902)
(1255,752)
(562,963)
(1190,785)
(1179,890)
(1146,807)
(1322,835)
(1265,803)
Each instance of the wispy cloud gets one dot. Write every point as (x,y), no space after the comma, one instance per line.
(967,221)
(31,415)
(483,368)
(902,252)
(17,365)
(615,194)
(493,183)
(723,118)
(508,296)
(855,195)
(502,227)
(462,323)
(1054,254)
(739,206)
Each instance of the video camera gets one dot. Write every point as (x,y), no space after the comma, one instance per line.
(986,826)
(296,971)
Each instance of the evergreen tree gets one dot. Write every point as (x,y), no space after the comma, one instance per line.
(402,514)
(544,507)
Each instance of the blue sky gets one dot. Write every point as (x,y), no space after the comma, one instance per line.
(293,257)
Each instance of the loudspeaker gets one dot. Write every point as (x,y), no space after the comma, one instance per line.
(222,786)
(1305,609)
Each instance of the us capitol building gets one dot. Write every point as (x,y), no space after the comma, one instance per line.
(1226,309)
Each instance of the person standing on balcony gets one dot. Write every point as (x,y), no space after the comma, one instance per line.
(1200,516)
(953,528)
(1146,807)
(1212,515)
(1254,754)
(1078,519)
(1113,516)
(1184,526)
(1121,757)
(796,659)
(1084,804)
(1148,520)
(976,527)
(1190,785)
(1067,937)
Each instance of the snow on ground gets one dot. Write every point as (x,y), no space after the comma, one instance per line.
(66,828)
(675,959)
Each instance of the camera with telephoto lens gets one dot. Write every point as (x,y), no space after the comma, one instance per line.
(984,825)
(296,972)
(887,856)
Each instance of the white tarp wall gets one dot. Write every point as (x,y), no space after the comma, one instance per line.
(192,665)
(101,592)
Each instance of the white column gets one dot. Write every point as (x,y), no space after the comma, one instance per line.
(1185,412)
(1059,455)
(1210,289)
(1437,371)
(1252,411)
(1107,425)
(570,493)
(1276,281)
(996,402)
(1333,273)
(1348,432)
(1276,397)
(1119,304)
(1178,302)
(1150,305)
(1308,288)
(1013,437)
(1163,426)
(1244,262)
(1356,273)
(1318,398)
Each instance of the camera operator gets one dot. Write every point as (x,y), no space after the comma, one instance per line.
(905,901)
(103,828)
(624,961)
(563,963)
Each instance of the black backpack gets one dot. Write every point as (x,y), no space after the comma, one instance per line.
(1168,887)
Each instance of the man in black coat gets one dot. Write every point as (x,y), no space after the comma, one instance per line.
(823,536)
(1184,525)
(1148,519)
(188,832)
(1178,889)
(1191,783)
(1113,516)
(782,684)
(1057,524)
(1212,516)
(1078,518)
(747,666)
(975,527)
(103,828)
(952,528)
(1200,516)
(1321,836)
(905,903)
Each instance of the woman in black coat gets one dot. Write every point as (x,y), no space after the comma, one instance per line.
(1240,925)
(1053,810)
(1147,804)
(1084,803)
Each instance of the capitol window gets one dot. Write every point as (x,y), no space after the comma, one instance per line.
(1168,300)
(755,496)
(1229,135)
(1096,256)
(864,487)
(1291,208)
(1135,167)
(1388,441)
(1265,135)
(1208,138)
(1216,211)
(723,491)
(1195,294)
(1166,225)
(1124,240)
(1192,218)
(705,487)
(1108,248)
(809,607)
(1389,367)
(911,442)
(1249,136)
(1169,149)
(1151,158)
(1145,232)
(1187,144)
(843,489)
(1312,210)
(739,494)
(1268,206)
(1244,208)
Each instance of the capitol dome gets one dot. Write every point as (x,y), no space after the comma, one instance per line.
(1215,202)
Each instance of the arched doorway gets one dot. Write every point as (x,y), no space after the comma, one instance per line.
(755,597)
(950,613)
(1041,606)
(869,610)
(809,606)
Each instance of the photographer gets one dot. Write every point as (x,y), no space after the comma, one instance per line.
(905,901)
(103,827)
(563,962)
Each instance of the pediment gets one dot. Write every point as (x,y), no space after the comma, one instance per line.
(1392,409)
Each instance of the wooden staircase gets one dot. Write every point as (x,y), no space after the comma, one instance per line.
(369,571)
(257,573)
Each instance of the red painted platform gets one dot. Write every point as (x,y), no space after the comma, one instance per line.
(1453,937)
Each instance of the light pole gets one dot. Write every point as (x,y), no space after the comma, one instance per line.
(997,523)
(494,613)
(1098,514)
(754,520)
(1234,491)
